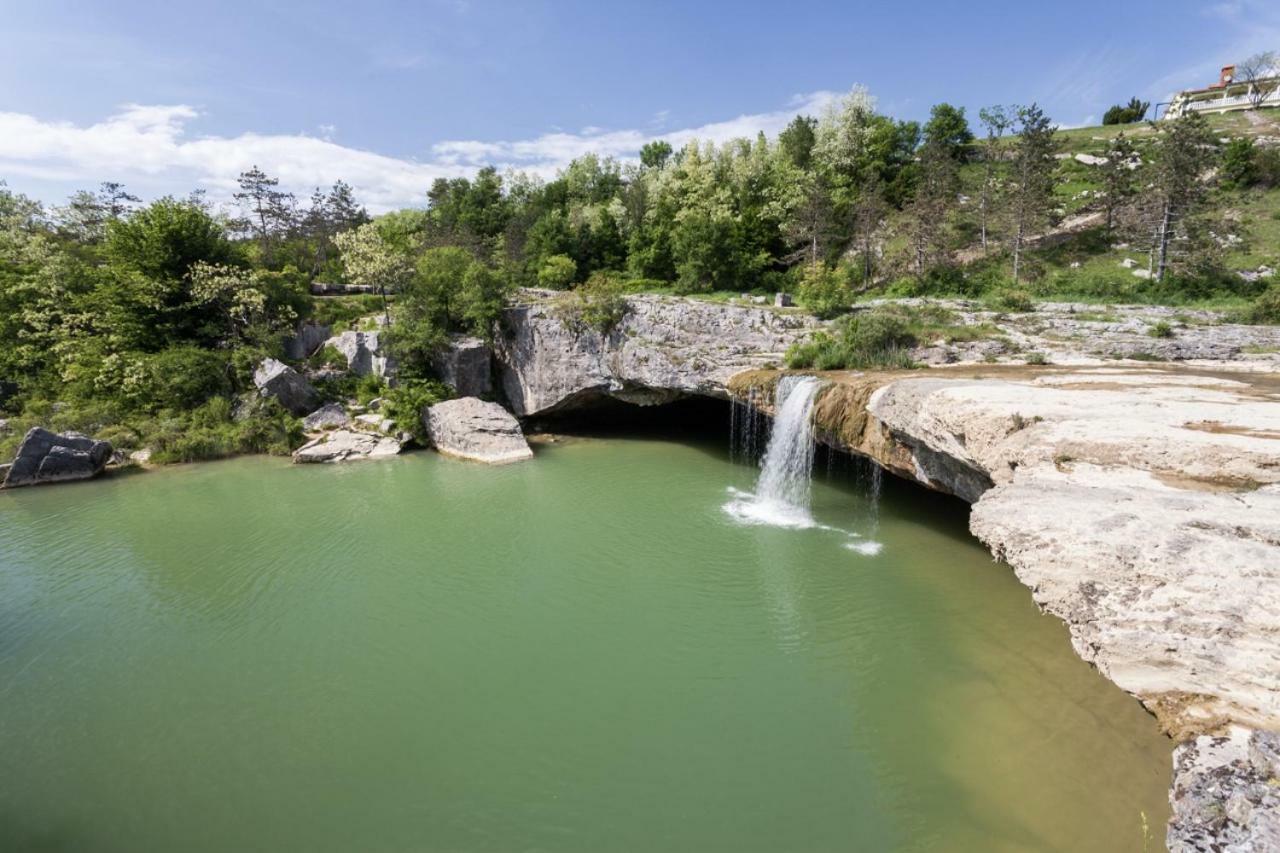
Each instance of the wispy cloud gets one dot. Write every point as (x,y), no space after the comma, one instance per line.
(152,145)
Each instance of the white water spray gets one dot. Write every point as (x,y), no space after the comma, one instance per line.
(782,492)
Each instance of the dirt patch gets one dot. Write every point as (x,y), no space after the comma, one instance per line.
(1220,428)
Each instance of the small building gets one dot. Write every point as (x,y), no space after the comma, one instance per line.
(1227,95)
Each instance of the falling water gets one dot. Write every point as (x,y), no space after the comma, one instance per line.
(781,496)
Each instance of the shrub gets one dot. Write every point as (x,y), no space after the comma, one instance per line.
(182,377)
(328,356)
(1265,310)
(404,403)
(824,291)
(599,305)
(1237,169)
(557,272)
(1013,300)
(869,339)
(1161,329)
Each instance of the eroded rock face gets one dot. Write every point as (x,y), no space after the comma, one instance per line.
(470,428)
(47,457)
(1226,793)
(662,349)
(465,365)
(308,338)
(291,389)
(365,353)
(345,445)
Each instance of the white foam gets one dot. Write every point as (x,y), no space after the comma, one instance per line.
(867,549)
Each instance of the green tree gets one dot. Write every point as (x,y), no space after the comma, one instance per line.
(1128,113)
(654,155)
(1030,196)
(996,120)
(928,215)
(797,139)
(1118,177)
(1176,193)
(948,129)
(370,260)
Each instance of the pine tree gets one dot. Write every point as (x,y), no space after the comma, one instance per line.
(928,213)
(1177,194)
(1030,196)
(1119,178)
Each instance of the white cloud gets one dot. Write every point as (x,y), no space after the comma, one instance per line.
(150,146)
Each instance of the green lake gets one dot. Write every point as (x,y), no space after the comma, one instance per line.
(580,653)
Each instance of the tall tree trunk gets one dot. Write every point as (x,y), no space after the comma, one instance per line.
(1017,252)
(1163,262)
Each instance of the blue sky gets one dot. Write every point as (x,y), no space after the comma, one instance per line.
(387,95)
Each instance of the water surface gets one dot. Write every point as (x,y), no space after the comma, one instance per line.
(581,653)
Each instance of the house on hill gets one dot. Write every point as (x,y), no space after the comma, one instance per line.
(1227,95)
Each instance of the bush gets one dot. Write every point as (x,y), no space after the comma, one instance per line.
(1126,113)
(404,403)
(1013,300)
(877,338)
(1265,311)
(557,272)
(210,432)
(599,305)
(1161,329)
(824,291)
(182,377)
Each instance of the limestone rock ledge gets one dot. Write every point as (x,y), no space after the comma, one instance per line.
(344,445)
(662,349)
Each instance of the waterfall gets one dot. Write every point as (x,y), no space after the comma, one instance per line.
(781,496)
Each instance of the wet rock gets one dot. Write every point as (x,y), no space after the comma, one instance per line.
(470,428)
(328,416)
(346,446)
(465,365)
(48,457)
(291,389)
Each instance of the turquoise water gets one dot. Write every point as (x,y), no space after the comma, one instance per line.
(580,653)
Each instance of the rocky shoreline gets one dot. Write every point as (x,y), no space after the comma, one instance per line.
(1129,474)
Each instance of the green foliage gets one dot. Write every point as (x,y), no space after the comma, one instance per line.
(557,272)
(948,129)
(1128,113)
(599,305)
(654,155)
(1161,329)
(211,432)
(875,338)
(1012,299)
(162,241)
(405,402)
(824,291)
(1238,170)
(1266,309)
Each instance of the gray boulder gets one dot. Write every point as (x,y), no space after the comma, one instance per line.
(47,457)
(308,338)
(465,366)
(328,416)
(365,353)
(346,445)
(276,379)
(470,428)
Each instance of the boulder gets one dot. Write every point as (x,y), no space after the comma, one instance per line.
(345,445)
(782,300)
(47,457)
(464,365)
(307,338)
(276,379)
(470,428)
(365,353)
(328,416)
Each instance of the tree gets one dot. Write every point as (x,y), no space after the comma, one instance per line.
(928,214)
(797,139)
(997,120)
(267,209)
(1030,195)
(1128,113)
(654,155)
(1119,178)
(948,129)
(812,221)
(869,212)
(1262,72)
(370,260)
(116,202)
(1177,192)
(824,290)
